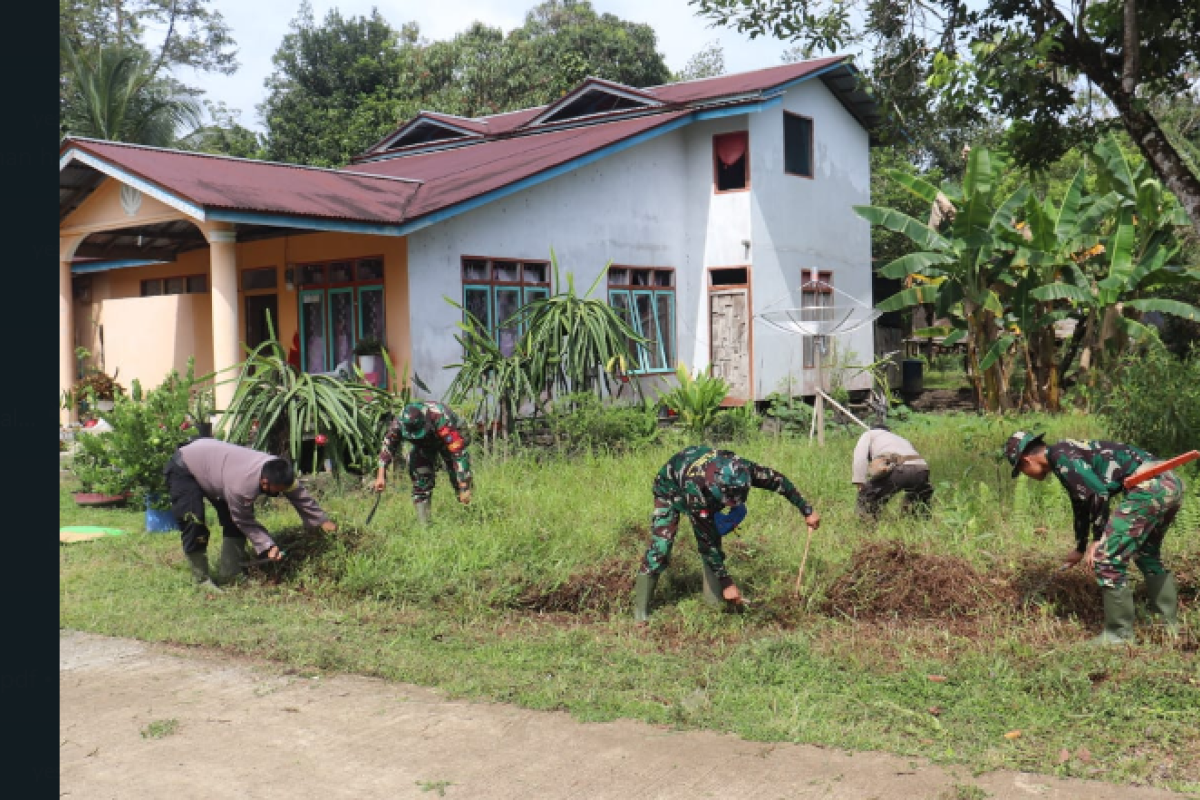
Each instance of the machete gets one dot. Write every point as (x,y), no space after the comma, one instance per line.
(1158,469)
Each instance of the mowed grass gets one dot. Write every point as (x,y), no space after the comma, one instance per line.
(525,596)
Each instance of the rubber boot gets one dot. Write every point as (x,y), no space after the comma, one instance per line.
(1118,617)
(643,593)
(713,595)
(199,564)
(233,559)
(1163,594)
(424,511)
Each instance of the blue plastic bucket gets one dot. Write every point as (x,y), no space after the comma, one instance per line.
(159,521)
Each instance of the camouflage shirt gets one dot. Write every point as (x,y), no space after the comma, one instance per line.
(443,430)
(689,478)
(1092,472)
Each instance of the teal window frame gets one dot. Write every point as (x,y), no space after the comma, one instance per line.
(665,347)
(527,291)
(354,289)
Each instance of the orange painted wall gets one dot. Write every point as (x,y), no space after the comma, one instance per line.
(123,284)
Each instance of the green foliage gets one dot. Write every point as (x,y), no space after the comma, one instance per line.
(276,407)
(115,94)
(696,399)
(525,597)
(96,385)
(341,85)
(793,415)
(147,428)
(736,424)
(574,342)
(1152,400)
(1019,60)
(494,385)
(582,421)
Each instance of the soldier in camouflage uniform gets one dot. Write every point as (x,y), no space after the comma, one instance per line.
(702,482)
(435,433)
(1093,473)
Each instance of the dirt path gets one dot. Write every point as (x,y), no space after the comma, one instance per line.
(249,730)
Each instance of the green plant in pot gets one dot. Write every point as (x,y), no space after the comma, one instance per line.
(368,353)
(147,427)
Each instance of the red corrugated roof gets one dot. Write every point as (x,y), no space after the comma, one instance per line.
(370,192)
(247,185)
(461,173)
(697,91)
(742,83)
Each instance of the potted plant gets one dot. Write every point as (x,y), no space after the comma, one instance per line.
(368,351)
(98,390)
(101,482)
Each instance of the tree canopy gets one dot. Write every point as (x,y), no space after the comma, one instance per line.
(1060,73)
(340,85)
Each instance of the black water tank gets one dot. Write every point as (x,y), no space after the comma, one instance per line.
(912,376)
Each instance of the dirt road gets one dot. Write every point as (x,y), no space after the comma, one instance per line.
(151,721)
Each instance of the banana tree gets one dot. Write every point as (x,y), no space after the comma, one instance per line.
(963,269)
(1051,240)
(1117,274)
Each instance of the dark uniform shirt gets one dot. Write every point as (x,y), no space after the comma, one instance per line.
(690,477)
(1093,472)
(443,432)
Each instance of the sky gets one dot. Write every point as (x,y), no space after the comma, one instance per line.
(258,27)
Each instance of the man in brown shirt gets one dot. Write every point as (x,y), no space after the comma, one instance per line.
(231,478)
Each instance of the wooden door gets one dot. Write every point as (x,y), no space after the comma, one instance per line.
(729,332)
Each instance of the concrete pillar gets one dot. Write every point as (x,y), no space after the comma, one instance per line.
(67,245)
(223,280)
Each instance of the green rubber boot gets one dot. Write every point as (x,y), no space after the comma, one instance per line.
(643,593)
(1118,617)
(1163,594)
(713,595)
(199,564)
(424,512)
(233,559)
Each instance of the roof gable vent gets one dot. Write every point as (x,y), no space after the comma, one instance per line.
(594,97)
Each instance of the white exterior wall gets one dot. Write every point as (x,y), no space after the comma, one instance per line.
(627,208)
(801,223)
(653,205)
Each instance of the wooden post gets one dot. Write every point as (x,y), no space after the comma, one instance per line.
(819,417)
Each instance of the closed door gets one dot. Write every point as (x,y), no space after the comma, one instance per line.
(729,330)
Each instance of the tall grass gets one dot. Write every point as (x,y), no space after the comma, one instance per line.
(448,605)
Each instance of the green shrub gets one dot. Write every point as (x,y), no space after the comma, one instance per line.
(696,399)
(1152,400)
(146,430)
(790,414)
(736,424)
(583,421)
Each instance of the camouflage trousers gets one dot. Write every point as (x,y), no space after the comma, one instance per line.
(664,524)
(423,466)
(1136,528)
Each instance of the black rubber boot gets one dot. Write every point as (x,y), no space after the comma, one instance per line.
(1118,617)
(1163,594)
(643,593)
(713,595)
(424,511)
(233,559)
(199,564)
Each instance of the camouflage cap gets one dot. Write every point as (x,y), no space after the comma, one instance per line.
(412,421)
(1016,446)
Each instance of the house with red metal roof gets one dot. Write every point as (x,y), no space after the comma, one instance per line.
(712,200)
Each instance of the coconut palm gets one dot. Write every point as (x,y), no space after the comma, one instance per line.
(115,94)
